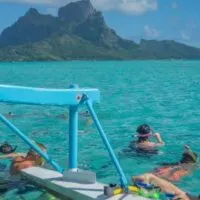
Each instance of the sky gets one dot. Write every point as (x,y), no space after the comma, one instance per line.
(132,19)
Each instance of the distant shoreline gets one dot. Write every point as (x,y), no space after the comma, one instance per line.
(58,61)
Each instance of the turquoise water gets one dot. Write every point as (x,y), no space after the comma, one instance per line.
(164,94)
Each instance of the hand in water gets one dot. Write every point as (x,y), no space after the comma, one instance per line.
(158,138)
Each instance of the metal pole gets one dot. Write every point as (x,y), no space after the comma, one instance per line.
(73,138)
(73,134)
(123,179)
(30,143)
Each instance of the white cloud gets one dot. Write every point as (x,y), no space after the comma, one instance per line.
(191,25)
(150,32)
(174,5)
(184,35)
(135,7)
(29,1)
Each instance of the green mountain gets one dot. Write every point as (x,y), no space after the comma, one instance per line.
(32,27)
(79,32)
(168,49)
(76,12)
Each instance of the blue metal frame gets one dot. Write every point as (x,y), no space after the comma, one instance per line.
(30,143)
(73,138)
(60,97)
(123,179)
(43,96)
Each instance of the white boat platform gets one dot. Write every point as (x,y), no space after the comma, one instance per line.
(56,183)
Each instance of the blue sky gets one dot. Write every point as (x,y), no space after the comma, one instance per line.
(133,19)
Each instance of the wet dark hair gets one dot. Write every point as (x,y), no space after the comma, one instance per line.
(143,130)
(188,157)
(6,148)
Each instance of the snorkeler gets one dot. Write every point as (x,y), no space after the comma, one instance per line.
(143,144)
(6,148)
(24,160)
(11,179)
(165,187)
(30,160)
(174,171)
(10,115)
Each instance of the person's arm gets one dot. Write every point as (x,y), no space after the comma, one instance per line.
(182,196)
(11,155)
(159,139)
(164,185)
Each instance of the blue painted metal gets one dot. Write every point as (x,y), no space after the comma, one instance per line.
(60,97)
(123,179)
(42,96)
(73,137)
(73,134)
(30,143)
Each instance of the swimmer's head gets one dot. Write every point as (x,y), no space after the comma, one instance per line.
(35,156)
(189,157)
(6,148)
(144,131)
(34,153)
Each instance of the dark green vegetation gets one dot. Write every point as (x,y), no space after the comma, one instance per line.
(79,33)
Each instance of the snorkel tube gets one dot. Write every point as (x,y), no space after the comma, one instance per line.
(192,153)
(189,156)
(6,148)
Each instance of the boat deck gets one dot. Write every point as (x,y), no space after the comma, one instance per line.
(55,182)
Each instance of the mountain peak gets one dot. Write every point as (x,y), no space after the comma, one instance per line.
(77,11)
(32,12)
(31,27)
(79,32)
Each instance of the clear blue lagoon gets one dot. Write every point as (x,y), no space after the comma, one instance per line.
(164,94)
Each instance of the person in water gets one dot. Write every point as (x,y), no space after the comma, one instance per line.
(144,133)
(22,161)
(174,171)
(31,159)
(10,115)
(165,187)
(11,180)
(6,148)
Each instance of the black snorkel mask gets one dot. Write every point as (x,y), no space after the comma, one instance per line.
(6,148)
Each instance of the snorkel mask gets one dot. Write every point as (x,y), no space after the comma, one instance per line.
(145,135)
(6,148)
(144,131)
